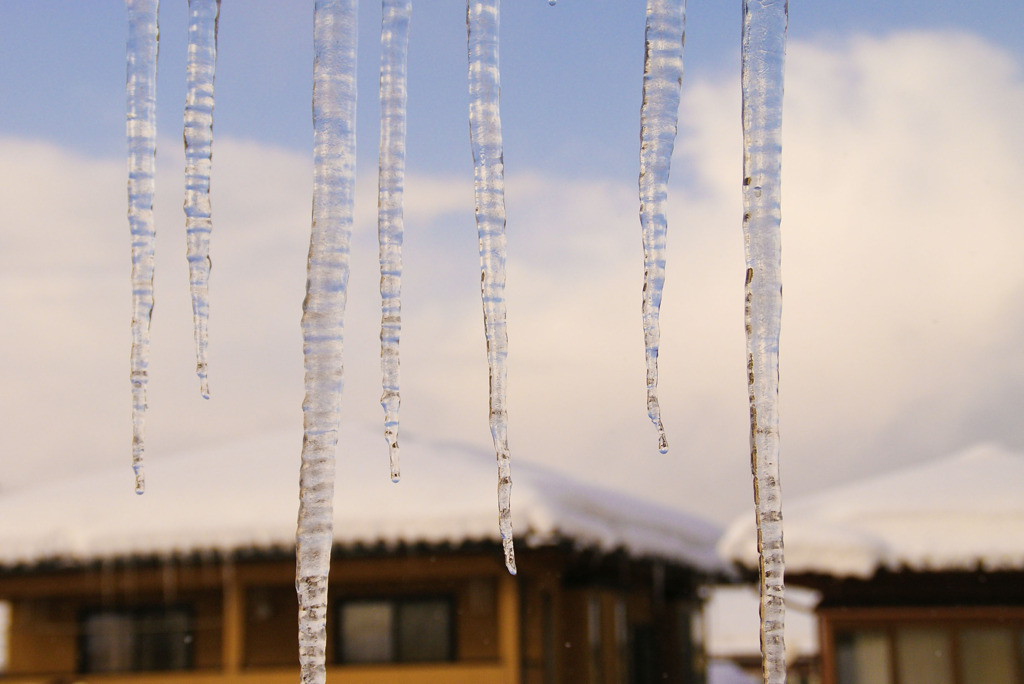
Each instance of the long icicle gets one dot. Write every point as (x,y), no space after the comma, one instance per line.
(764,51)
(200,71)
(334,98)
(482,21)
(394,39)
(141,133)
(659,121)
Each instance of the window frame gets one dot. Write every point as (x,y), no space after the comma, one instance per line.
(135,615)
(395,603)
(836,621)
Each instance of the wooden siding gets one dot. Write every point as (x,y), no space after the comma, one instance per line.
(530,629)
(834,621)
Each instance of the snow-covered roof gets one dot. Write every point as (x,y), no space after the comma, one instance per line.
(962,512)
(244,496)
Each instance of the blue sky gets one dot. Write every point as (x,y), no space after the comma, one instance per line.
(569,71)
(902,335)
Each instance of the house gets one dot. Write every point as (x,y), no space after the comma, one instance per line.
(921,571)
(194,580)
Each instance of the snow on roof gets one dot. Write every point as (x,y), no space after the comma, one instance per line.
(244,496)
(957,513)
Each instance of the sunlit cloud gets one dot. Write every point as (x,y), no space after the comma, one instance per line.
(901,330)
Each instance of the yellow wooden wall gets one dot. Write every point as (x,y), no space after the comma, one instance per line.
(244,618)
(529,629)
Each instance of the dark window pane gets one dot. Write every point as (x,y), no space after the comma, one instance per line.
(107,642)
(366,632)
(548,636)
(644,659)
(396,630)
(134,640)
(594,620)
(987,656)
(863,658)
(424,630)
(162,640)
(924,656)
(5,635)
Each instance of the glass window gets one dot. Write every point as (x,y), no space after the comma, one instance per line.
(622,639)
(643,661)
(367,632)
(594,637)
(126,640)
(924,656)
(951,652)
(5,625)
(396,630)
(548,636)
(862,657)
(424,630)
(162,640)
(107,642)
(987,656)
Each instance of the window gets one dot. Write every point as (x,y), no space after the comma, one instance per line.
(863,656)
(939,653)
(924,656)
(987,654)
(5,625)
(138,639)
(622,639)
(405,630)
(594,637)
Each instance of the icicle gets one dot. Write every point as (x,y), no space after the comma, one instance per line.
(394,39)
(202,64)
(659,116)
(482,19)
(764,50)
(334,98)
(141,132)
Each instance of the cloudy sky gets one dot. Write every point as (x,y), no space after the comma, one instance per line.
(903,333)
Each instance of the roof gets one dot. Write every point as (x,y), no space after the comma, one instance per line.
(958,513)
(243,496)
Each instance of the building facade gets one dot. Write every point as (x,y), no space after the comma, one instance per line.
(920,571)
(922,628)
(442,615)
(195,580)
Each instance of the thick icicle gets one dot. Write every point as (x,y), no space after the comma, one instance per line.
(482,20)
(394,39)
(202,64)
(764,50)
(659,117)
(141,131)
(334,98)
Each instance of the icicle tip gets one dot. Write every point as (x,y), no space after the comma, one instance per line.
(510,555)
(204,382)
(396,471)
(654,413)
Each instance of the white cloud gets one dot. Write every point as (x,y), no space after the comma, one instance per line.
(900,243)
(901,329)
